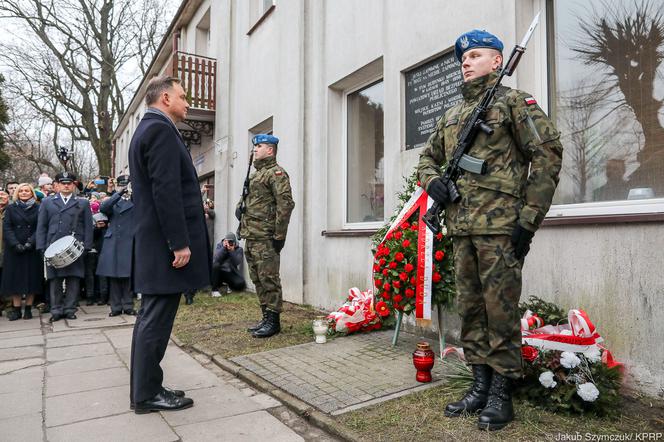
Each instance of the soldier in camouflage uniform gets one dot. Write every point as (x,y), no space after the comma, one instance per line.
(494,222)
(263,225)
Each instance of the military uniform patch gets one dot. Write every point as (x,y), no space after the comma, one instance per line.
(530,100)
(278,173)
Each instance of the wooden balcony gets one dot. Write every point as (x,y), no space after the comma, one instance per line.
(198,77)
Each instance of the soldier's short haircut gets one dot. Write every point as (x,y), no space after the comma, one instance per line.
(274,148)
(158,86)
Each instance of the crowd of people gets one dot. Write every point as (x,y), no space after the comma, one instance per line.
(98,262)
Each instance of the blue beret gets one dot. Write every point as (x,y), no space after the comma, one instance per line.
(265,138)
(476,38)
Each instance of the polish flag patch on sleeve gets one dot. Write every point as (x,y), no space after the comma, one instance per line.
(530,100)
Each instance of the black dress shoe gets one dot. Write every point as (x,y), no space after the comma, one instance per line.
(163,401)
(71,316)
(54,318)
(177,393)
(130,311)
(115,313)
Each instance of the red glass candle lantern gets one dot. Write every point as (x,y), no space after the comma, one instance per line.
(423,360)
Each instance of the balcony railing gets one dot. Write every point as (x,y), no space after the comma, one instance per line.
(198,77)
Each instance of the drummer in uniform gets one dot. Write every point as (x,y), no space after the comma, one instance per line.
(61,215)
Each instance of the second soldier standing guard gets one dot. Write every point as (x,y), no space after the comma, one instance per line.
(263,225)
(494,221)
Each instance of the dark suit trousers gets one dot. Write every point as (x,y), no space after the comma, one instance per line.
(64,302)
(152,330)
(120,294)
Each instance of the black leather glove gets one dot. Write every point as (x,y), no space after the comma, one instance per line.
(29,246)
(438,191)
(278,244)
(521,238)
(238,214)
(20,248)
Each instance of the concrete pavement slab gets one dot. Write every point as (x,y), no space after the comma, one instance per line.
(212,403)
(11,366)
(27,379)
(7,325)
(120,337)
(76,407)
(82,365)
(27,428)
(121,428)
(53,340)
(20,333)
(124,353)
(78,351)
(20,403)
(10,354)
(22,342)
(91,380)
(68,332)
(181,371)
(251,427)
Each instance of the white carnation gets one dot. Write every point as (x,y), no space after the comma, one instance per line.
(546,379)
(569,359)
(587,391)
(593,354)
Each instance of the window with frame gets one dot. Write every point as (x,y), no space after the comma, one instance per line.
(364,155)
(607,59)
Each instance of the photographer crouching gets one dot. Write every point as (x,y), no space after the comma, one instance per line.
(227,265)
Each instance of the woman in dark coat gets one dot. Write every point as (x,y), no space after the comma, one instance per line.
(23,266)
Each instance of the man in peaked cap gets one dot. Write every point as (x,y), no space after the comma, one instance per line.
(264,225)
(61,215)
(495,220)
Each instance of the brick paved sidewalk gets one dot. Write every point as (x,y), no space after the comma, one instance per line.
(69,383)
(346,373)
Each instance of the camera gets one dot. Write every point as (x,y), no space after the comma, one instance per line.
(122,180)
(101,180)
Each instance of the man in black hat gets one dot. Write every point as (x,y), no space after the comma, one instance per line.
(61,215)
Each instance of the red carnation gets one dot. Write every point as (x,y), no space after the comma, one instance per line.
(376,268)
(386,286)
(397,298)
(396,284)
(439,255)
(405,243)
(405,225)
(385,295)
(439,236)
(398,306)
(399,257)
(403,276)
(529,353)
(382,262)
(410,293)
(408,268)
(385,272)
(378,282)
(398,234)
(436,277)
(382,309)
(413,226)
(386,251)
(393,265)
(389,236)
(413,281)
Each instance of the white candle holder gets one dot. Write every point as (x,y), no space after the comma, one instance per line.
(320,330)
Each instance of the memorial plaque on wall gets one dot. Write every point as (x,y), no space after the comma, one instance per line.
(431,89)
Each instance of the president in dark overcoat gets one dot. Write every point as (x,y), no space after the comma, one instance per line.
(61,215)
(171,248)
(115,260)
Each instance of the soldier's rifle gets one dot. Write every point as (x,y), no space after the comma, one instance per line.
(474,124)
(245,194)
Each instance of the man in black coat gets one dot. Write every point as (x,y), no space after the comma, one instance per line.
(171,248)
(61,215)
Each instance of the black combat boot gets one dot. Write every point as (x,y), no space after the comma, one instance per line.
(271,326)
(498,411)
(260,323)
(475,398)
(27,313)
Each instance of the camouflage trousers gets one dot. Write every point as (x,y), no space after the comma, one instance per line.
(263,263)
(488,283)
